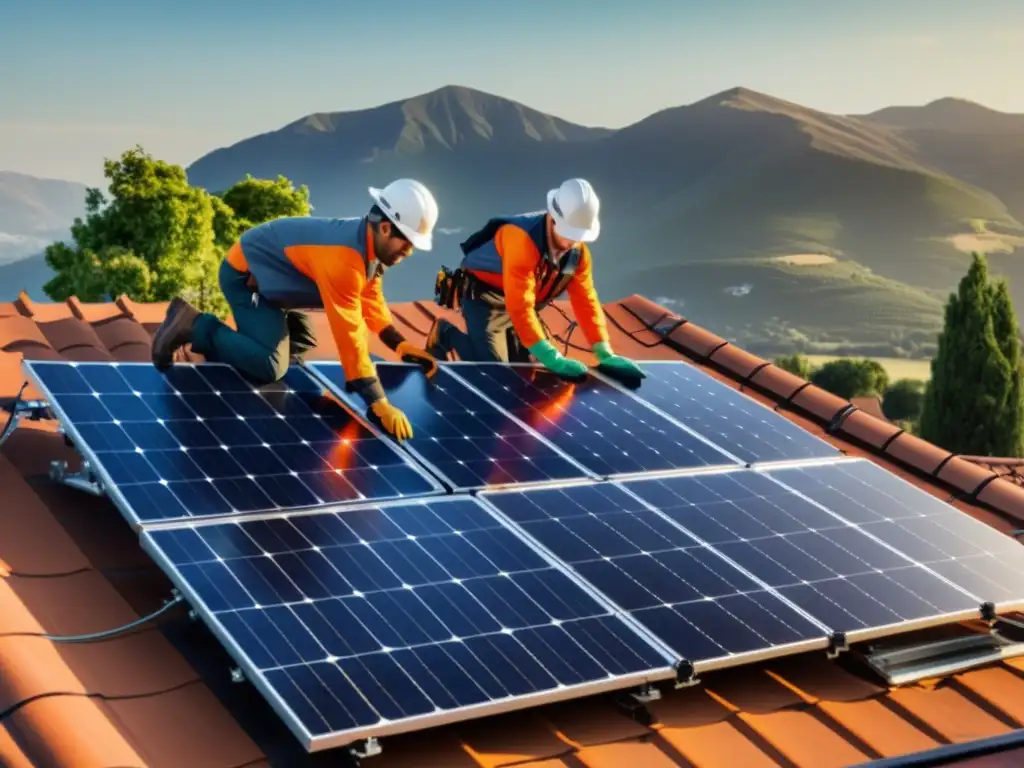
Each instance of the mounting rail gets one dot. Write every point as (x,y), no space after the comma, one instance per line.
(905,664)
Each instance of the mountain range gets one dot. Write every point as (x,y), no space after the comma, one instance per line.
(772,223)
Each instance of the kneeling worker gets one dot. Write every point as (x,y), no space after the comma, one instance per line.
(311,262)
(517,265)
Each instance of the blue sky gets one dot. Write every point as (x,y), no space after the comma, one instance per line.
(83,80)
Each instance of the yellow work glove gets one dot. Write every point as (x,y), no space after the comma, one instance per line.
(410,354)
(395,422)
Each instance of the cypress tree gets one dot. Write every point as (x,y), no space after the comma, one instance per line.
(974,403)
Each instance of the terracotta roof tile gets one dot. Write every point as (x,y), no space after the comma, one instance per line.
(59,731)
(915,452)
(77,568)
(868,429)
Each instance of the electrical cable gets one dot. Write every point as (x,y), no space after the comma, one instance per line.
(93,636)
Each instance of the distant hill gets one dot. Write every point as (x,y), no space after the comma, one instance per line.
(958,115)
(29,274)
(34,212)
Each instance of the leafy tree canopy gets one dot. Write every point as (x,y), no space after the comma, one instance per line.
(153,236)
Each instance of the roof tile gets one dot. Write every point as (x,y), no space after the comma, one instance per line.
(696,340)
(632,753)
(18,332)
(525,736)
(184,727)
(805,740)
(916,453)
(738,362)
(778,382)
(878,726)
(819,403)
(436,748)
(590,722)
(996,685)
(868,429)
(1005,497)
(75,339)
(11,755)
(963,475)
(35,544)
(79,603)
(31,667)
(125,339)
(61,731)
(946,710)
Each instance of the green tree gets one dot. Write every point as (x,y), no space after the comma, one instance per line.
(974,403)
(903,400)
(254,201)
(796,364)
(850,377)
(156,237)
(153,235)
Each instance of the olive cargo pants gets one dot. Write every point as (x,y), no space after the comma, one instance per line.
(266,339)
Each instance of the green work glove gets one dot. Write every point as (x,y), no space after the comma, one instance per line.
(615,364)
(555,362)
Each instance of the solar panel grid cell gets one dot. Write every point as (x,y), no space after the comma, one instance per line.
(368,617)
(731,419)
(597,424)
(981,560)
(467,440)
(201,442)
(833,570)
(694,601)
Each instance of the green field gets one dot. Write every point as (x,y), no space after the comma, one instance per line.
(896,367)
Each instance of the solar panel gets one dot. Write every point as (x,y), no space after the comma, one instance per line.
(468,441)
(836,572)
(384,619)
(201,442)
(599,425)
(966,551)
(706,610)
(738,423)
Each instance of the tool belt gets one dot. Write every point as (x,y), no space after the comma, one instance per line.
(450,287)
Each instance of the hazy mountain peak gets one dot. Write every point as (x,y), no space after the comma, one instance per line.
(950,114)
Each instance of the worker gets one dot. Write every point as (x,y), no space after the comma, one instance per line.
(307,262)
(515,266)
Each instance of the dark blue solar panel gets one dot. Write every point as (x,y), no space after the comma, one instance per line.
(829,568)
(600,426)
(693,600)
(967,552)
(369,617)
(466,439)
(730,419)
(201,442)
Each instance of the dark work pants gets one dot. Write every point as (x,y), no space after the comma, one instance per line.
(489,334)
(266,337)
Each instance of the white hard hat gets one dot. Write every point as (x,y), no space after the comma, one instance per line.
(574,206)
(412,208)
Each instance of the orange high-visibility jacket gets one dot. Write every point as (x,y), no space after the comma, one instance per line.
(510,255)
(316,262)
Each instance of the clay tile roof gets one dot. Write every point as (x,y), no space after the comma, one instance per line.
(161,695)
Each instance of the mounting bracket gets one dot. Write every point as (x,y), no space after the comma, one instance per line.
(686,674)
(83,480)
(237,675)
(836,645)
(368,748)
(33,410)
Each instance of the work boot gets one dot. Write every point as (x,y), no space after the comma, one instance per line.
(174,332)
(433,347)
